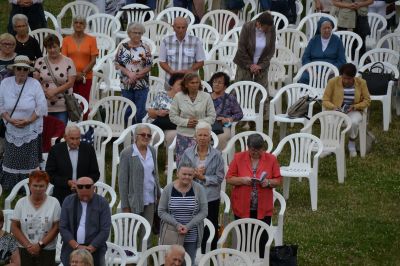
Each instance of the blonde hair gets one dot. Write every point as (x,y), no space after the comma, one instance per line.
(7,37)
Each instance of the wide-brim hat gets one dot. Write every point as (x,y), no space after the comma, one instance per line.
(21,61)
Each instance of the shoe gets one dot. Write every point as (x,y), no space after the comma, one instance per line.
(352,149)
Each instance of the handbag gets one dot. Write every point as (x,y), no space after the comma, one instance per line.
(300,107)
(3,126)
(73,107)
(285,255)
(217,127)
(164,123)
(170,236)
(377,81)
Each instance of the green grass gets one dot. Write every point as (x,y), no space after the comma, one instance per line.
(358,222)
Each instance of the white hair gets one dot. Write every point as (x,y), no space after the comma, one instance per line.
(203,125)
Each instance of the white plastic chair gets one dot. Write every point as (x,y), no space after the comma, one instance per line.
(319,73)
(156,31)
(125,139)
(212,66)
(387,98)
(278,228)
(292,93)
(171,156)
(161,5)
(8,214)
(247,242)
(390,41)
(207,34)
(378,25)
(114,108)
(299,11)
(232,35)
(278,19)
(248,94)
(169,14)
(105,44)
(53,19)
(75,8)
(23,184)
(106,192)
(293,39)
(221,20)
(224,52)
(125,233)
(226,203)
(206,87)
(288,59)
(225,256)
(380,55)
(207,224)
(333,126)
(133,13)
(102,135)
(349,39)
(247,12)
(115,254)
(156,256)
(276,77)
(310,23)
(109,82)
(304,150)
(40,34)
(103,23)
(84,104)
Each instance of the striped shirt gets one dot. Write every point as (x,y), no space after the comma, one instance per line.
(182,207)
(348,96)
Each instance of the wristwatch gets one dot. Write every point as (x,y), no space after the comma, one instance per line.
(41,244)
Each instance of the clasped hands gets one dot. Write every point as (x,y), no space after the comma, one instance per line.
(255,69)
(248,181)
(182,229)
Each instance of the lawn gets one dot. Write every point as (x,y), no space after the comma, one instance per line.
(358,222)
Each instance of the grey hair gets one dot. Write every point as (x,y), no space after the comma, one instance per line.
(186,164)
(85,256)
(71,127)
(17,17)
(139,127)
(135,25)
(203,125)
(178,248)
(79,18)
(255,141)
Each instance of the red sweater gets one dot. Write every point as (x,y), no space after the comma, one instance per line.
(240,198)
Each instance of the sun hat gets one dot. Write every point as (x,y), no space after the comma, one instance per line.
(21,61)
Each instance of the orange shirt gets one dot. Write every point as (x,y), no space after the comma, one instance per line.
(81,54)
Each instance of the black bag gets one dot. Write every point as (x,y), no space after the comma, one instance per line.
(2,128)
(164,123)
(300,107)
(218,127)
(377,82)
(285,255)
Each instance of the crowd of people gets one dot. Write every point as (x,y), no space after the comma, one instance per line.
(34,83)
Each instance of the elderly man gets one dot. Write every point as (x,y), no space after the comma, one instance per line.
(69,160)
(181,52)
(85,222)
(175,256)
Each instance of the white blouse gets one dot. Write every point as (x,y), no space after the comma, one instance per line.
(32,100)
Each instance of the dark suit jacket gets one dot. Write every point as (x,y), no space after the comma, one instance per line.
(97,229)
(59,167)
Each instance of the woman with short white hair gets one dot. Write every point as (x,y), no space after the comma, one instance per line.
(26,44)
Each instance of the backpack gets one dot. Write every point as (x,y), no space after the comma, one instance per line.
(300,107)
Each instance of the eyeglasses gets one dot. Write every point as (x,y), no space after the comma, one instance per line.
(22,69)
(218,82)
(144,135)
(86,186)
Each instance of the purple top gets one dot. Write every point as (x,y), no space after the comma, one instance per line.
(231,108)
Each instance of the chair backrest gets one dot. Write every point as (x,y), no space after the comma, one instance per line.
(232,35)
(126,139)
(8,214)
(293,92)
(114,108)
(390,41)
(221,20)
(161,5)
(299,11)
(207,34)
(319,73)
(206,87)
(25,185)
(105,44)
(212,66)
(115,255)
(83,8)
(280,20)
(377,24)
(282,209)
(156,30)
(225,256)
(247,12)
(212,230)
(83,103)
(388,68)
(276,77)
(350,39)
(293,39)
(310,23)
(40,34)
(156,256)
(103,23)
(135,13)
(380,55)
(107,192)
(52,18)
(224,52)
(169,14)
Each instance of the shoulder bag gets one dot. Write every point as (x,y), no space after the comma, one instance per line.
(3,126)
(170,236)
(217,127)
(300,107)
(285,255)
(73,107)
(378,80)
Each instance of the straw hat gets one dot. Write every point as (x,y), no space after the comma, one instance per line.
(21,61)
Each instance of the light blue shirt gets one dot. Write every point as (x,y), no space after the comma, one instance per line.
(148,182)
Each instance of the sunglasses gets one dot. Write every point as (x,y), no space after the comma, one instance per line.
(86,186)
(22,69)
(144,135)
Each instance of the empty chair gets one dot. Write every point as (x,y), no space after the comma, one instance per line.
(221,20)
(225,53)
(225,256)
(304,150)
(169,14)
(377,24)
(350,39)
(156,256)
(390,41)
(207,34)
(103,23)
(73,9)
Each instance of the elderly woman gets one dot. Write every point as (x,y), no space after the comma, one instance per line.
(22,107)
(139,187)
(226,106)
(35,222)
(324,46)
(189,107)
(26,44)
(80,257)
(57,75)
(33,9)
(253,174)
(183,207)
(348,94)
(7,54)
(9,253)
(133,60)
(209,172)
(255,49)
(82,49)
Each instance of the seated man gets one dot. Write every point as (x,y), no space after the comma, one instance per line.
(348,94)
(175,256)
(69,160)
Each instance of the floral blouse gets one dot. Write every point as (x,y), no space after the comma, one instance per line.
(161,101)
(134,59)
(231,108)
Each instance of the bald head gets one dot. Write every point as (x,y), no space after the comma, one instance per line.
(180,27)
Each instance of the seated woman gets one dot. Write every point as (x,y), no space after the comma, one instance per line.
(209,172)
(226,106)
(348,94)
(253,174)
(9,253)
(324,46)
(183,207)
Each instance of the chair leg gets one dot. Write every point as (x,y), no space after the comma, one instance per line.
(340,166)
(313,191)
(282,130)
(286,185)
(386,114)
(271,128)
